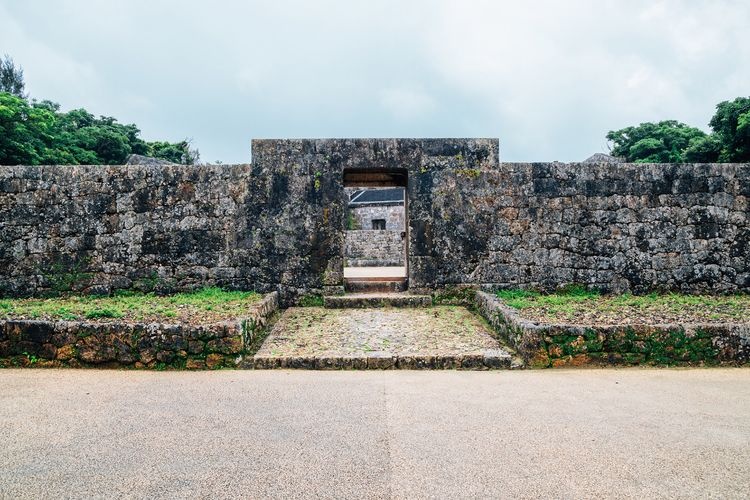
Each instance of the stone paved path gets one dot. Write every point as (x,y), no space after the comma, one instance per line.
(436,337)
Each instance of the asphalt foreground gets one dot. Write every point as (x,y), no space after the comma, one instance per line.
(394,434)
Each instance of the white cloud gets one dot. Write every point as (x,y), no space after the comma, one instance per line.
(548,78)
(47,68)
(558,76)
(406,103)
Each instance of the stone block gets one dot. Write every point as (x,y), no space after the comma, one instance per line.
(214,361)
(380,361)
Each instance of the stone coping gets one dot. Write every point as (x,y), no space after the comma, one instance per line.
(561,344)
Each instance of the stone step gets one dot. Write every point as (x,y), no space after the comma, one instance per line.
(375,286)
(367,300)
(491,359)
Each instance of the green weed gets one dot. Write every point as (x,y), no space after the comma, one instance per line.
(577,301)
(311,300)
(212,301)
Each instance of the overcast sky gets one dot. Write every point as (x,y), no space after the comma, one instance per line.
(548,78)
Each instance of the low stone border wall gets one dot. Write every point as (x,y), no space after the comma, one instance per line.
(488,360)
(137,345)
(573,345)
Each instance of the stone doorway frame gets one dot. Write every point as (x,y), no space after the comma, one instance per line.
(381,177)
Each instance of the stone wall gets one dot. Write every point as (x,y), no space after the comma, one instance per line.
(135,345)
(374,248)
(280,223)
(163,228)
(562,345)
(392,214)
(474,220)
(615,227)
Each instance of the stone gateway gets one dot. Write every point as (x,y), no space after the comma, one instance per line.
(280,222)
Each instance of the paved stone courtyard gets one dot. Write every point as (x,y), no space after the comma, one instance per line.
(435,337)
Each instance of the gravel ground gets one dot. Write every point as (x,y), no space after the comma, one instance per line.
(314,331)
(279,434)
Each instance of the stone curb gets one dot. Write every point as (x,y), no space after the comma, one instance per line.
(538,343)
(118,344)
(487,360)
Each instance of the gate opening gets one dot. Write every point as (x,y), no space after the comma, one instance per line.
(376,242)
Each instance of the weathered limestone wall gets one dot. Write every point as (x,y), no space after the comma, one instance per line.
(474,220)
(280,223)
(97,228)
(374,248)
(573,345)
(422,160)
(612,226)
(136,345)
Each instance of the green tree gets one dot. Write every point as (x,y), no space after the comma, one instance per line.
(37,132)
(703,149)
(662,142)
(11,78)
(177,152)
(24,131)
(731,124)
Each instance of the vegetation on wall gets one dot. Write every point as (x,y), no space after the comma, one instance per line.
(37,133)
(673,142)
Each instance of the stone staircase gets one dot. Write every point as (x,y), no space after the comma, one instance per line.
(370,300)
(375,285)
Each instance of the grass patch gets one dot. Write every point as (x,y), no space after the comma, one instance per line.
(311,300)
(204,305)
(579,305)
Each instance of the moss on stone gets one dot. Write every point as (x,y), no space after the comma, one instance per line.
(471,173)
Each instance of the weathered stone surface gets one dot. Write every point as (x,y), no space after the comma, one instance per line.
(369,300)
(214,361)
(573,345)
(195,364)
(134,159)
(374,248)
(279,224)
(153,345)
(380,361)
(162,228)
(419,338)
(392,214)
(358,286)
(613,226)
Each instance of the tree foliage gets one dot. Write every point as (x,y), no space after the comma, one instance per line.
(731,124)
(11,78)
(176,152)
(38,133)
(663,142)
(674,142)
